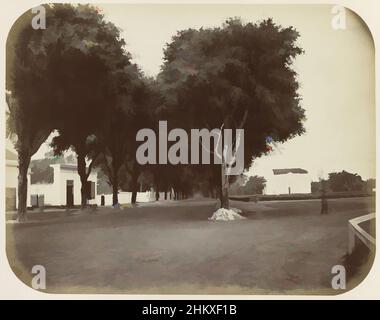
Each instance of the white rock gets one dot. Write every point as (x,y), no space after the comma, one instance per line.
(223,214)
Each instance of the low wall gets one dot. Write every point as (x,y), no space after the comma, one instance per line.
(357,233)
(48,191)
(309,196)
(125,197)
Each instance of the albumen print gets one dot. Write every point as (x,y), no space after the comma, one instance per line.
(190,149)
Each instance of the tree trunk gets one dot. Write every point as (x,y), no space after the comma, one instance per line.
(115,192)
(213,193)
(23,165)
(134,194)
(115,183)
(224,201)
(81,159)
(135,185)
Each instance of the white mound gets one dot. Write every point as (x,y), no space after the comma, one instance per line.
(223,214)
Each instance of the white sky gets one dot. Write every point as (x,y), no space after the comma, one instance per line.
(336,75)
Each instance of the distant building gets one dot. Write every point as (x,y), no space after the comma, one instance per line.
(56,182)
(11,181)
(288,181)
(65,190)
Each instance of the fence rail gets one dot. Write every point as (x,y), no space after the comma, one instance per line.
(356,232)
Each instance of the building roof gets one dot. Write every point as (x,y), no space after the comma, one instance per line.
(9,155)
(64,166)
(292,170)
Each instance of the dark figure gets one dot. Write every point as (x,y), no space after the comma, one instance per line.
(324,206)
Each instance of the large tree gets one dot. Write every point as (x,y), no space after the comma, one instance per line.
(124,119)
(31,95)
(345,181)
(248,185)
(137,97)
(146,100)
(238,76)
(91,56)
(58,78)
(29,99)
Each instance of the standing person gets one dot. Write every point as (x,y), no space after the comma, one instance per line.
(324,206)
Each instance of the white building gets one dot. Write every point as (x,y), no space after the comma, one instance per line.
(11,181)
(65,189)
(288,181)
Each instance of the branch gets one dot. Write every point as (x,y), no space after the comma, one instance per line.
(41,136)
(245,116)
(216,146)
(91,165)
(127,168)
(107,166)
(225,148)
(233,160)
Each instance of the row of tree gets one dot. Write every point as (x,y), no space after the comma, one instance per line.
(344,181)
(76,78)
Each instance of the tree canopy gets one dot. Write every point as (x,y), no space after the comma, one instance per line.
(238,76)
(62,78)
(76,77)
(345,181)
(212,75)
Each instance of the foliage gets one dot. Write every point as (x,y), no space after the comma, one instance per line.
(248,186)
(345,181)
(240,74)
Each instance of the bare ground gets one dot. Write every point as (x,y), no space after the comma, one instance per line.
(283,247)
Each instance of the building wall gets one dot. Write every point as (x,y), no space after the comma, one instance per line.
(125,197)
(55,193)
(280,184)
(64,175)
(11,179)
(48,190)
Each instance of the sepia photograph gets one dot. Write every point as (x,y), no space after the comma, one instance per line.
(202,149)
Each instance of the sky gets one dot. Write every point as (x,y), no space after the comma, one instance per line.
(336,76)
